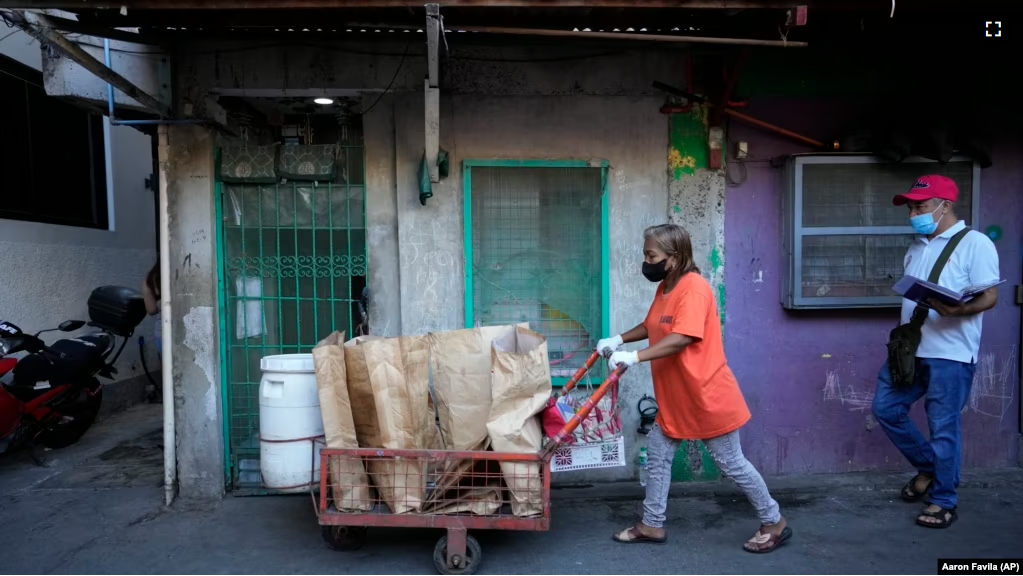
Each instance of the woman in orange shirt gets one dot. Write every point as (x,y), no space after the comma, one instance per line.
(697,394)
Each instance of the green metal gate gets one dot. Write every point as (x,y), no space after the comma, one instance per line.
(293,267)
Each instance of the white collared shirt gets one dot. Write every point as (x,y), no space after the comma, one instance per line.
(974,261)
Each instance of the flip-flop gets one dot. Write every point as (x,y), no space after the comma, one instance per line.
(760,539)
(632,536)
(909,493)
(942,522)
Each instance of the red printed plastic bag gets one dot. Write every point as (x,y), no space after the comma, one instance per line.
(556,415)
(603,422)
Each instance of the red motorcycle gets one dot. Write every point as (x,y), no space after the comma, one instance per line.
(52,395)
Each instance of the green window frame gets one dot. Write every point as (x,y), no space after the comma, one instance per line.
(605,242)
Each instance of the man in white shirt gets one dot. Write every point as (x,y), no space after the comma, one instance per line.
(948,351)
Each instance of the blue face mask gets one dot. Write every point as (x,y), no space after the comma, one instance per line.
(925,224)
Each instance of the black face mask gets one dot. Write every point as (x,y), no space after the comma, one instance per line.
(655,272)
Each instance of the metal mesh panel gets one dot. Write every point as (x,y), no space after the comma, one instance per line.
(536,235)
(847,195)
(852,266)
(294,258)
(863,266)
(424,485)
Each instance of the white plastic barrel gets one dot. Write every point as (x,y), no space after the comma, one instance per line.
(290,423)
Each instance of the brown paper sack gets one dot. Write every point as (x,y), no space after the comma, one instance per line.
(520,384)
(460,371)
(479,492)
(360,392)
(460,361)
(388,381)
(351,488)
(481,501)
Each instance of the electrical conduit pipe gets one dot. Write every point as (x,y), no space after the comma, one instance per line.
(170,456)
(110,102)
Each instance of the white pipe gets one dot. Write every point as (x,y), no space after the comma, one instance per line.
(170,457)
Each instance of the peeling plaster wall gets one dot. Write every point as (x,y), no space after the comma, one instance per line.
(696,201)
(197,399)
(49,270)
(381,219)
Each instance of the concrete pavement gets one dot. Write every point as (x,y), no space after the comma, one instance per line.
(97,508)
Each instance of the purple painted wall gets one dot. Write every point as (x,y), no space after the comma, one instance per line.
(802,423)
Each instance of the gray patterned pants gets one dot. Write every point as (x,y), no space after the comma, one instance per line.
(727,455)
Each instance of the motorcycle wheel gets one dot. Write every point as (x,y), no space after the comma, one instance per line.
(83,414)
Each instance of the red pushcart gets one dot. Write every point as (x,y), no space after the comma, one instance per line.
(450,489)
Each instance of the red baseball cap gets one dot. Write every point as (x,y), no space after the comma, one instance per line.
(927,187)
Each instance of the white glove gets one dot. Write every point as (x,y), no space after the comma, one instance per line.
(623,358)
(609,345)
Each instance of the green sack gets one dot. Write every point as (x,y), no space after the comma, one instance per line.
(425,186)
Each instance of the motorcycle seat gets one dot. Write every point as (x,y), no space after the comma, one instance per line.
(80,358)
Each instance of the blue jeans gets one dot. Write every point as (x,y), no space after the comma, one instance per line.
(946,385)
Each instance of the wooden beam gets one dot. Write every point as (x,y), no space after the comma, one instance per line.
(66,25)
(629,36)
(432,91)
(40,28)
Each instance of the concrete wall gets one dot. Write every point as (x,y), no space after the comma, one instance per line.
(142,65)
(613,118)
(809,377)
(338,68)
(198,410)
(629,132)
(566,104)
(50,270)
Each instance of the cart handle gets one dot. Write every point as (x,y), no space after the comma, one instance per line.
(584,411)
(580,373)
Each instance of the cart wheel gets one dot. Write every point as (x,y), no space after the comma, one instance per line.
(344,538)
(468,565)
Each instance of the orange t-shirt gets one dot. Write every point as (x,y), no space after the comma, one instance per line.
(698,397)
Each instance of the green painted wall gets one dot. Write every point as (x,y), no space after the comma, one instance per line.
(691,204)
(693,463)
(688,151)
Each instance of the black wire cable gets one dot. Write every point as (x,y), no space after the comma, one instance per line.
(647,415)
(155,395)
(389,84)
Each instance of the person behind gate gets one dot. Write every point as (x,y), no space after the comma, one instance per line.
(697,394)
(949,343)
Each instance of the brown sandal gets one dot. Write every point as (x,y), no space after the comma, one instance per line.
(764,542)
(909,493)
(632,536)
(944,517)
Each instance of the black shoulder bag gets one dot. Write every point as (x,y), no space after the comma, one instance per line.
(905,339)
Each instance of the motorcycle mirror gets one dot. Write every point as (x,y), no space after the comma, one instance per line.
(71,325)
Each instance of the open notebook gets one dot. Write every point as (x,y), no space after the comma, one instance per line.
(919,291)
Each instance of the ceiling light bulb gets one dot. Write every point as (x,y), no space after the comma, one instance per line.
(324,101)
